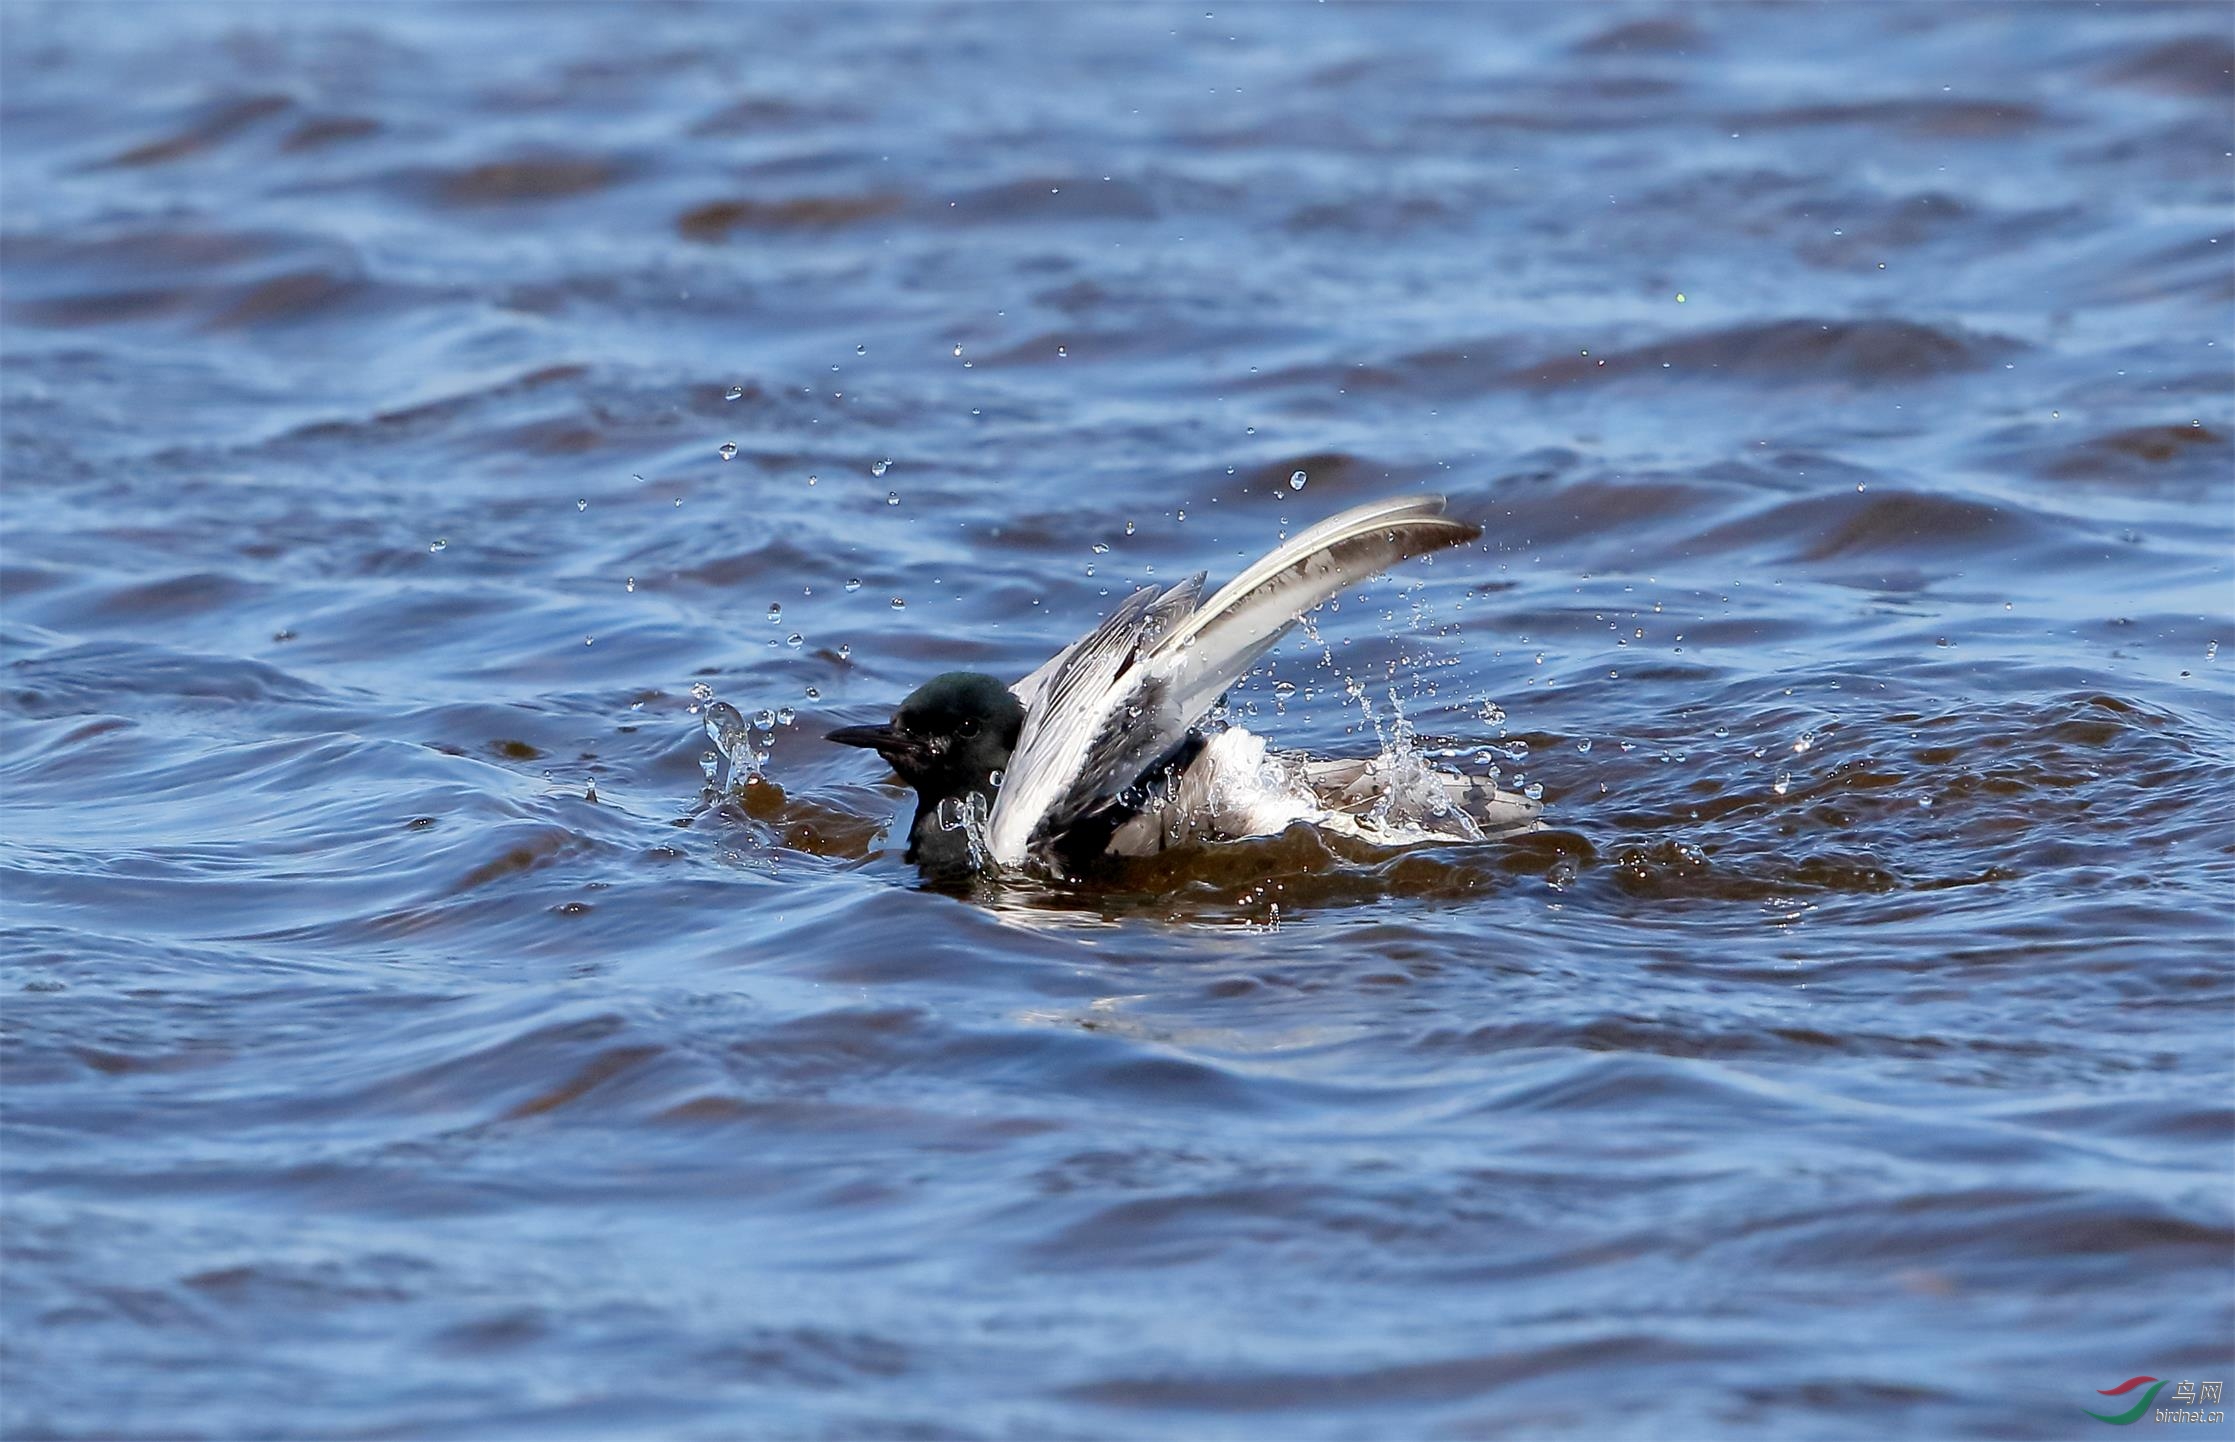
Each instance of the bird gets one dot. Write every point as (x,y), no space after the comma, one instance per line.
(1104,751)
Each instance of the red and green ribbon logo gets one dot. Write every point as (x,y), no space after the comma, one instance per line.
(2134,1414)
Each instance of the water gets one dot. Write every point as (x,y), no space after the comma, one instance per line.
(1858,372)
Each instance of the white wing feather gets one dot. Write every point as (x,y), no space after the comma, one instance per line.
(1219,643)
(1110,704)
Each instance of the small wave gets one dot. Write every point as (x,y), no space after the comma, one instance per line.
(526,179)
(2197,65)
(210,126)
(1653,35)
(1791,352)
(717,220)
(2179,457)
(1923,118)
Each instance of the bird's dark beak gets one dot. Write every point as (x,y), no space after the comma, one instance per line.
(876,738)
(887,741)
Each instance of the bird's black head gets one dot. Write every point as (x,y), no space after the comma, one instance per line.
(950,735)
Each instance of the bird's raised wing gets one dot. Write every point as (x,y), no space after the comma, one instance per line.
(1108,706)
(1032,687)
(1225,636)
(1067,702)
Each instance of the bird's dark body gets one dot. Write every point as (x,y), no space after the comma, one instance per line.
(1088,839)
(951,739)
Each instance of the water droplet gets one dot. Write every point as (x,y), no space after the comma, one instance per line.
(439,543)
(1783,783)
(814,693)
(861,350)
(1249,430)
(958,350)
(632,585)
(880,468)
(898,604)
(892,498)
(853,583)
(582,504)
(700,691)
(1129,528)
(710,765)
(812,479)
(775,613)
(845,650)
(1534,791)
(734,393)
(785,716)
(766,720)
(1584,744)
(1807,739)
(1059,350)
(729,450)
(795,640)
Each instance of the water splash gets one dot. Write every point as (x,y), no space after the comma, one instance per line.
(967,814)
(733,744)
(1415,794)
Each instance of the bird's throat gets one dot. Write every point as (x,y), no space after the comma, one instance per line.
(946,839)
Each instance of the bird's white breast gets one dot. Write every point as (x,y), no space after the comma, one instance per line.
(1234,788)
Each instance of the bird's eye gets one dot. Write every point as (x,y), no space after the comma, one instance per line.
(969,727)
